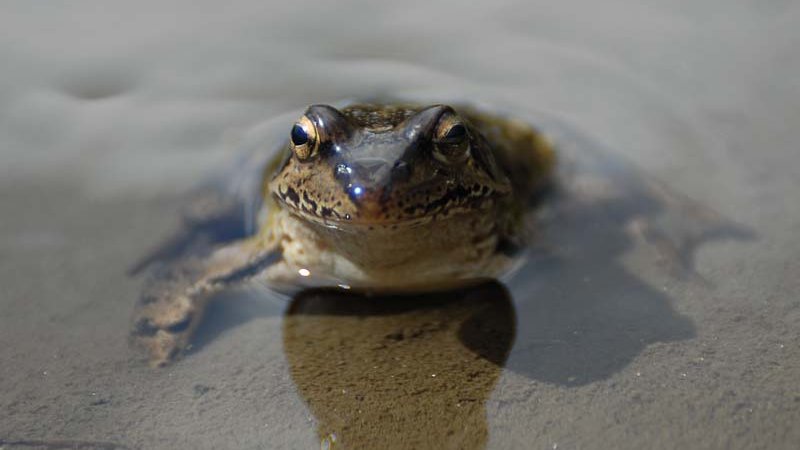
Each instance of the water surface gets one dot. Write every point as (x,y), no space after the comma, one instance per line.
(658,311)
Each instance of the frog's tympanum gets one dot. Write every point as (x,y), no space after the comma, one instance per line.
(375,197)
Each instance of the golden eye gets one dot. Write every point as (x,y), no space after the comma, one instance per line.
(455,133)
(451,141)
(304,138)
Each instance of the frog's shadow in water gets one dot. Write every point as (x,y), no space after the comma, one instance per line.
(583,314)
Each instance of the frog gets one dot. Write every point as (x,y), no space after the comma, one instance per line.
(372,197)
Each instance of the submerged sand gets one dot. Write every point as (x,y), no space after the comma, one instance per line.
(663,314)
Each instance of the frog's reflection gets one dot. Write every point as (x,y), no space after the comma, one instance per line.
(399,371)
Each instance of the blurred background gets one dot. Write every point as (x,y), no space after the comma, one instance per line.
(112,112)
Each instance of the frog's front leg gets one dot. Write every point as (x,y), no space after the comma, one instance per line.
(170,312)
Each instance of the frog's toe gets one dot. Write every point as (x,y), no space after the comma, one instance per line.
(162,347)
(164,328)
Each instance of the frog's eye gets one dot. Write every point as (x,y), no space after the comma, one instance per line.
(304,139)
(451,140)
(456,133)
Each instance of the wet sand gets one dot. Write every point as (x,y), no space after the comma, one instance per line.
(661,315)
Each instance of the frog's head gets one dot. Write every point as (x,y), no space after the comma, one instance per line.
(385,165)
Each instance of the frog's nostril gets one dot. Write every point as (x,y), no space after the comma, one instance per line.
(371,170)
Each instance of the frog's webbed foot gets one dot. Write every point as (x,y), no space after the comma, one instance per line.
(165,321)
(173,307)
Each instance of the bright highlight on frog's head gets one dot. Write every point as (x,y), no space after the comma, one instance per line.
(376,164)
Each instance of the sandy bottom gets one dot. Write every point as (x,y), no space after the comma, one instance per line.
(661,310)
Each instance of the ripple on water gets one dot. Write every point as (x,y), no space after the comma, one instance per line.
(98,83)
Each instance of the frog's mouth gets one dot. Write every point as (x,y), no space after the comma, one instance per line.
(372,209)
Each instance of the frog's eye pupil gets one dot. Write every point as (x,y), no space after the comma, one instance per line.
(456,132)
(299,135)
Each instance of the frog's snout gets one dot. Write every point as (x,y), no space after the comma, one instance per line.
(371,179)
(371,172)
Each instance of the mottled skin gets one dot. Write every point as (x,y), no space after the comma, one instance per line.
(388,197)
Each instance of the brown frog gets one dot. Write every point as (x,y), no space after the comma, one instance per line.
(388,197)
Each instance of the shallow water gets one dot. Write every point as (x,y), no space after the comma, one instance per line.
(658,310)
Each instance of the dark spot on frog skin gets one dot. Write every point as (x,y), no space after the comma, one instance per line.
(311,203)
(291,195)
(453,195)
